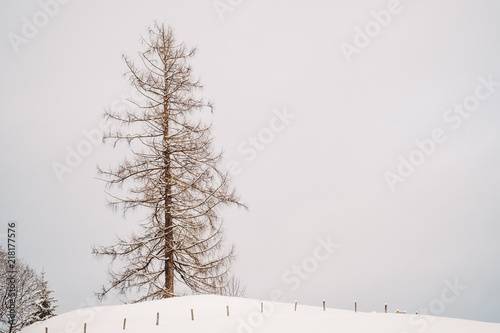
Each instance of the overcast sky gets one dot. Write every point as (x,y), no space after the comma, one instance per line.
(368,125)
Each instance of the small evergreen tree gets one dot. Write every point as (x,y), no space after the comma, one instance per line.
(45,304)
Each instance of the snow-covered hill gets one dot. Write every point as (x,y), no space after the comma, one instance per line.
(245,316)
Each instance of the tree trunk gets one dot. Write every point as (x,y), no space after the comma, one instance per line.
(169,234)
(169,240)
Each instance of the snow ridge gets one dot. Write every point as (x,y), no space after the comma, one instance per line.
(210,314)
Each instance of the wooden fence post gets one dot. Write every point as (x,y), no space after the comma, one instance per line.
(157,318)
(85,328)
(385,307)
(355,306)
(295,305)
(124,322)
(46,330)
(324,305)
(227,310)
(261,306)
(192,314)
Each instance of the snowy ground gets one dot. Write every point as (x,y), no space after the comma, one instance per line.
(210,315)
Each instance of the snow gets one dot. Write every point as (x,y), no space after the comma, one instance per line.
(210,315)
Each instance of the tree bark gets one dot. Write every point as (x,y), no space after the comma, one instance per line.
(169,235)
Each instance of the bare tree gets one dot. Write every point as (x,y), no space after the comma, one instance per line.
(234,288)
(19,287)
(172,173)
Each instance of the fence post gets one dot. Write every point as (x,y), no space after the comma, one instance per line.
(261,306)
(157,318)
(295,305)
(355,306)
(227,308)
(85,328)
(124,322)
(385,307)
(324,305)
(192,314)
(46,330)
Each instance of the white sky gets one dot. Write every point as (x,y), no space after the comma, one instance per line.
(322,175)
